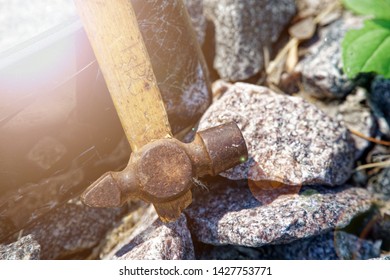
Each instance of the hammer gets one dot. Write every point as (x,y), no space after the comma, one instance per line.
(161,169)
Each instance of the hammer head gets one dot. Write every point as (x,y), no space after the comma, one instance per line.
(162,171)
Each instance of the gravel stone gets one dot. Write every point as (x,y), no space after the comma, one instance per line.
(242,29)
(229,214)
(336,245)
(180,70)
(25,248)
(383,257)
(228,252)
(289,140)
(355,114)
(322,74)
(381,229)
(153,240)
(72,229)
(380,100)
(198,19)
(379,184)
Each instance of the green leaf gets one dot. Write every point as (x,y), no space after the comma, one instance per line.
(377,8)
(367,49)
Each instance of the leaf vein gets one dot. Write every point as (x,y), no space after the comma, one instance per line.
(377,49)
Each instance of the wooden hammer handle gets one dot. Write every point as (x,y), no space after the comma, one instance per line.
(117,42)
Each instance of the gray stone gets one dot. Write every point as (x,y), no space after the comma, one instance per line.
(122,230)
(129,227)
(176,59)
(356,115)
(381,227)
(321,69)
(229,214)
(228,252)
(72,230)
(336,245)
(25,248)
(380,100)
(383,257)
(153,240)
(198,19)
(379,184)
(371,178)
(289,140)
(242,30)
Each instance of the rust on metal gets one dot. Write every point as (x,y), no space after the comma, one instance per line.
(161,172)
(225,146)
(170,211)
(161,169)
(164,170)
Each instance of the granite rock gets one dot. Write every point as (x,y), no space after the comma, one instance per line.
(140,220)
(122,230)
(383,257)
(229,214)
(355,114)
(328,246)
(176,58)
(321,69)
(25,248)
(227,252)
(380,100)
(242,30)
(336,245)
(381,229)
(198,19)
(289,140)
(151,239)
(72,230)
(379,184)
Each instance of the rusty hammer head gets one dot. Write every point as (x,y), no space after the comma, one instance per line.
(162,171)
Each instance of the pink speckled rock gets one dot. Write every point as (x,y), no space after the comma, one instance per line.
(289,140)
(229,214)
(154,240)
(26,248)
(242,29)
(333,245)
